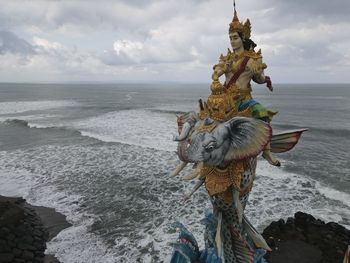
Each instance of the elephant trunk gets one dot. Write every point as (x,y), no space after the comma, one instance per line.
(182,151)
(184,132)
(190,152)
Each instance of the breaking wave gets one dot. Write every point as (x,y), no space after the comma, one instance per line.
(15,107)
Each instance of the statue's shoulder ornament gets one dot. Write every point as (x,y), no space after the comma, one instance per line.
(256,59)
(254,55)
(222,62)
(225,58)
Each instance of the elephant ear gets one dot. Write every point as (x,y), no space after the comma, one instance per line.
(248,137)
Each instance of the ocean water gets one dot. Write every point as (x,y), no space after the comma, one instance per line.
(102,154)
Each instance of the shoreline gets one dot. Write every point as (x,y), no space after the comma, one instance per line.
(39,224)
(54,222)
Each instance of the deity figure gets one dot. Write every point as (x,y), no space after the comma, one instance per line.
(223,140)
(241,66)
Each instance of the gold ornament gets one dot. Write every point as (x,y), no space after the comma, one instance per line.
(222,102)
(207,128)
(247,29)
(236,26)
(218,181)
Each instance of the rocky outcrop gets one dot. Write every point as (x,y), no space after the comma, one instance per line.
(305,239)
(23,235)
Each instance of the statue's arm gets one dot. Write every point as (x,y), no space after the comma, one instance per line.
(257,67)
(258,71)
(220,68)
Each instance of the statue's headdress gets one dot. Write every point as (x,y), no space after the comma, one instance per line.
(236,26)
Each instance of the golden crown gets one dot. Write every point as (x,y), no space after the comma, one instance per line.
(236,26)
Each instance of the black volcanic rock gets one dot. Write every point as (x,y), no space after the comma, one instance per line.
(17,224)
(25,229)
(305,239)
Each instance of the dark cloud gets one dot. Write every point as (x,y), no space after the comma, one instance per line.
(10,43)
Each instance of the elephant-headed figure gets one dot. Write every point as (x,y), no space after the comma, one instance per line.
(225,157)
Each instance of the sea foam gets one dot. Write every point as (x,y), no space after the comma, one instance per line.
(15,107)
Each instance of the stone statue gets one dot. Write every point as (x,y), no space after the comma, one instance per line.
(241,66)
(223,140)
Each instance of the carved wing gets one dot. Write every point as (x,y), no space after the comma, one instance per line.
(285,141)
(247,136)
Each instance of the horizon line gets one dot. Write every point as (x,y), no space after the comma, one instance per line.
(160,82)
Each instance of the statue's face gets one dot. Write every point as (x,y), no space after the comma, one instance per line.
(236,41)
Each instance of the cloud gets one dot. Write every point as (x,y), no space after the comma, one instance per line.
(327,9)
(163,39)
(10,43)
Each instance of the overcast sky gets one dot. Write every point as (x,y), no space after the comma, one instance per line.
(302,41)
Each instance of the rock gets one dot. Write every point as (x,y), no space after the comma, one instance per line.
(27,238)
(39,254)
(23,236)
(20,231)
(11,244)
(40,246)
(286,253)
(10,236)
(311,237)
(6,257)
(38,233)
(38,260)
(28,255)
(4,231)
(2,243)
(17,252)
(25,246)
(10,213)
(5,248)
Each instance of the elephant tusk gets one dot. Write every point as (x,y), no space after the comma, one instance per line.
(178,169)
(191,176)
(196,173)
(195,188)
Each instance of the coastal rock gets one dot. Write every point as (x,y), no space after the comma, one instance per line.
(28,255)
(25,229)
(305,239)
(6,257)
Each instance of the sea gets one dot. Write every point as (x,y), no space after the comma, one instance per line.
(101,154)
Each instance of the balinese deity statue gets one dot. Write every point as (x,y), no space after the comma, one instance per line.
(223,140)
(240,66)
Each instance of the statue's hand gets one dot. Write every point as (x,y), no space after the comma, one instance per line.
(215,76)
(218,72)
(268,83)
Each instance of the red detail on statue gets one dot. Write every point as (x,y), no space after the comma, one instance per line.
(180,123)
(238,73)
(268,82)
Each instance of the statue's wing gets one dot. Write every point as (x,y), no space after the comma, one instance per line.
(284,141)
(247,136)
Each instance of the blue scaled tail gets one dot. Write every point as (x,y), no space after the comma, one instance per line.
(186,250)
